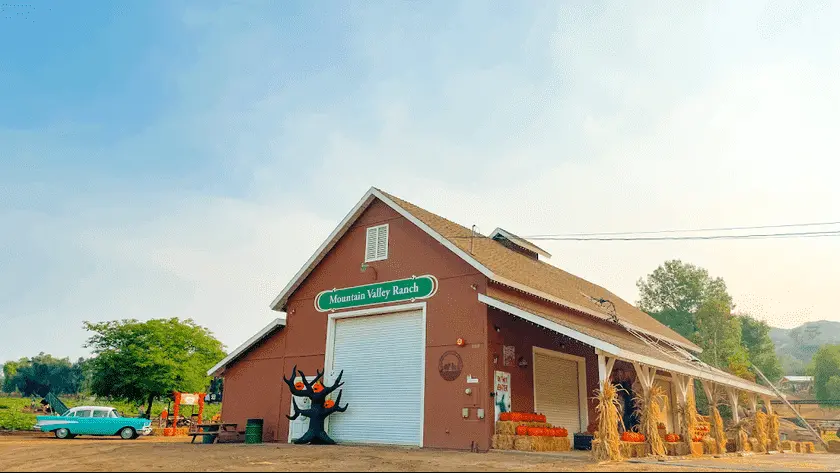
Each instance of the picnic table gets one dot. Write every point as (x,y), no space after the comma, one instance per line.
(212,430)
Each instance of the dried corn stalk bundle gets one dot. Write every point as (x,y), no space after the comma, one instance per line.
(608,446)
(760,431)
(773,433)
(688,415)
(717,430)
(649,406)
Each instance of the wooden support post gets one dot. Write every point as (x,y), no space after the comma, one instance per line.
(733,402)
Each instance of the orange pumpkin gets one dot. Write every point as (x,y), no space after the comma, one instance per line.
(522,430)
(317,388)
(504,416)
(329,404)
(300,386)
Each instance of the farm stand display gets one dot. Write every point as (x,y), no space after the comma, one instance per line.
(530,433)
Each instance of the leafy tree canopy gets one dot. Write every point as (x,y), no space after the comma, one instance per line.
(674,292)
(685,298)
(142,361)
(825,368)
(755,335)
(42,374)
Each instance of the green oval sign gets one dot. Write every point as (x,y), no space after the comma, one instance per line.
(413,288)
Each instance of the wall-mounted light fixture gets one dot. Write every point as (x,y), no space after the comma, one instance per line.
(523,363)
(497,328)
(460,342)
(495,359)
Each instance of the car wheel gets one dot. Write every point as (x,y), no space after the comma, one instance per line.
(62,434)
(128,433)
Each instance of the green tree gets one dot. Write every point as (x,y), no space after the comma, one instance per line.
(719,335)
(755,335)
(10,370)
(826,365)
(42,374)
(143,361)
(675,291)
(832,387)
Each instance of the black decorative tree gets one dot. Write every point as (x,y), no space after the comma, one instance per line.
(320,407)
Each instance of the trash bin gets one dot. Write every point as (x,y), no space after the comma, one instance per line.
(254,431)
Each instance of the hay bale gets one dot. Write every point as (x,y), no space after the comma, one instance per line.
(561,444)
(755,446)
(808,447)
(634,449)
(677,449)
(506,427)
(503,442)
(786,446)
(795,447)
(522,444)
(834,446)
(696,449)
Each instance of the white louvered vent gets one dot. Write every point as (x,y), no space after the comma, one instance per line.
(376,245)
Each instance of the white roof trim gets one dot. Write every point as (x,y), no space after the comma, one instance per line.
(620,353)
(279,322)
(280,301)
(519,241)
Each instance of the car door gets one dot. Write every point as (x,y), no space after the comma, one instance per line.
(103,423)
(83,423)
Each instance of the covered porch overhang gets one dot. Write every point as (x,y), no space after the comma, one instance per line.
(644,354)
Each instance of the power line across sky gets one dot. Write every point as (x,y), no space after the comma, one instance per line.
(639,235)
(695,230)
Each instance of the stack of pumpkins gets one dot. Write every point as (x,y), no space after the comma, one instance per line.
(529,432)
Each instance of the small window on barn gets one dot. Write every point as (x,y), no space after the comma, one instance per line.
(376,245)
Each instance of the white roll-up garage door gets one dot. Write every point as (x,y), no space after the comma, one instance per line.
(383,358)
(557,390)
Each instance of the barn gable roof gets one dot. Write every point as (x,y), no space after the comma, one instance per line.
(502,266)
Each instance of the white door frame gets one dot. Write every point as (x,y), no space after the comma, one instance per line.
(396,309)
(583,417)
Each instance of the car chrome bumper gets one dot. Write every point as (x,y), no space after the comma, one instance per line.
(37,428)
(146,431)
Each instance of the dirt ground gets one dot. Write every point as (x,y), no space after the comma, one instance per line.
(40,453)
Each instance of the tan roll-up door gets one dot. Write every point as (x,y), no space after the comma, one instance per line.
(557,390)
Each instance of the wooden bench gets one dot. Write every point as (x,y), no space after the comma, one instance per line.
(204,434)
(212,430)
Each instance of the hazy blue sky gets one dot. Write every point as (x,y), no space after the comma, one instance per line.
(172,158)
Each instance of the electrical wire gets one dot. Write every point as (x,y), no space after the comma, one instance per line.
(696,230)
(815,234)
(697,237)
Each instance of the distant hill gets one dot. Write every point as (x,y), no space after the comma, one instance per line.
(796,347)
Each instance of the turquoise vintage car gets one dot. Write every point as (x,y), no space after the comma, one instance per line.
(91,420)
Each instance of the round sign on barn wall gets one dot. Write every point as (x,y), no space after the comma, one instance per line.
(450,365)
